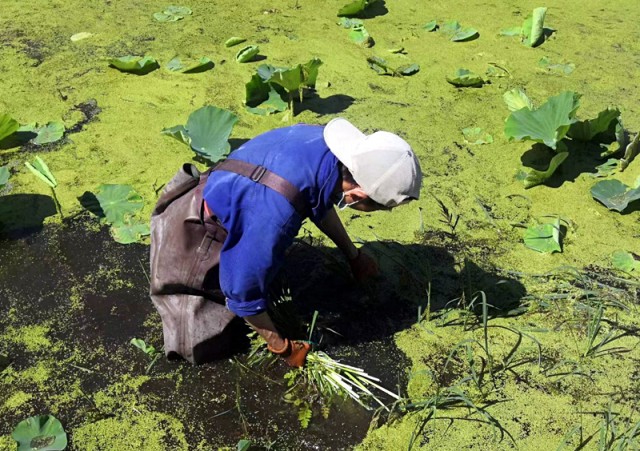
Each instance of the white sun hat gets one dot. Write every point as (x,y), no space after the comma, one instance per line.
(382,163)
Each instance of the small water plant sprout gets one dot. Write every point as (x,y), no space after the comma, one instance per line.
(40,169)
(532,31)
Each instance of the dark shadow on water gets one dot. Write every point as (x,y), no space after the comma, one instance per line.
(91,203)
(583,158)
(334,104)
(377,8)
(23,214)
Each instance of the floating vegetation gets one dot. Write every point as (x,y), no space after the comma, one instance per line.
(135,64)
(172,14)
(464,78)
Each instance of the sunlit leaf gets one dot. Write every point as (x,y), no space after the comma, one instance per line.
(625,261)
(178,132)
(235,40)
(533,27)
(117,202)
(8,126)
(51,132)
(360,36)
(209,128)
(547,124)
(40,433)
(247,53)
(476,135)
(40,169)
(130,233)
(557,68)
(614,194)
(544,238)
(355,7)
(630,152)
(431,26)
(4,176)
(80,36)
(464,78)
(587,130)
(135,64)
(516,100)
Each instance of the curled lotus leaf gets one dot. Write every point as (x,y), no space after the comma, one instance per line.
(247,53)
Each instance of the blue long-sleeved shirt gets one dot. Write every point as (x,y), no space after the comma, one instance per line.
(261,223)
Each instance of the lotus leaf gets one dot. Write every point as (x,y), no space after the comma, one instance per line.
(456,33)
(143,346)
(178,10)
(235,40)
(614,194)
(80,36)
(40,169)
(172,14)
(533,28)
(8,126)
(178,132)
(547,124)
(203,64)
(243,445)
(162,17)
(40,433)
(347,22)
(476,135)
(408,69)
(135,64)
(625,261)
(209,128)
(247,53)
(565,69)
(51,132)
(4,175)
(516,99)
(354,8)
(129,233)
(360,36)
(513,31)
(117,202)
(431,26)
(544,238)
(535,177)
(605,123)
(464,78)
(494,70)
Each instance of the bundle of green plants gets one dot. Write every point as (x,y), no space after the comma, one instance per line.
(272,89)
(323,380)
(555,125)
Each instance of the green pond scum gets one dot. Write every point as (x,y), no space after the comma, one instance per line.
(547,359)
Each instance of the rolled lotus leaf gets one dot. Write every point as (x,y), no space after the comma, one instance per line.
(247,53)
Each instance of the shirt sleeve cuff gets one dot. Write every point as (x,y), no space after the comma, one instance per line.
(247,308)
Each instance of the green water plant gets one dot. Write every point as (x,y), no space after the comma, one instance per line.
(247,54)
(40,433)
(4,176)
(355,8)
(453,30)
(464,78)
(630,152)
(476,135)
(40,169)
(207,132)
(545,237)
(172,14)
(139,65)
(234,40)
(149,350)
(553,124)
(117,206)
(270,86)
(615,195)
(357,31)
(531,32)
(626,261)
(382,67)
(8,126)
(556,68)
(201,65)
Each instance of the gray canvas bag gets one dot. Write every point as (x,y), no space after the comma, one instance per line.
(185,253)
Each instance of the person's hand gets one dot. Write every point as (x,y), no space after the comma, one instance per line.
(293,352)
(363,267)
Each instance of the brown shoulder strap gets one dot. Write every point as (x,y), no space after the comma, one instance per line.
(262,175)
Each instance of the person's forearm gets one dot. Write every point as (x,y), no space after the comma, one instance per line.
(262,324)
(333,228)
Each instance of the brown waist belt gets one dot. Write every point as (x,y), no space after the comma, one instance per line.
(262,175)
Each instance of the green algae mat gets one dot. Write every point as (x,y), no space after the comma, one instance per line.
(507,316)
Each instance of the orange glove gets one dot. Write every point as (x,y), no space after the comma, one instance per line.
(293,352)
(363,267)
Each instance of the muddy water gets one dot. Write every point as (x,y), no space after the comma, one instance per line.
(62,286)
